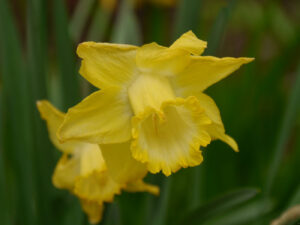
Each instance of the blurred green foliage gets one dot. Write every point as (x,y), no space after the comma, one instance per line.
(259,104)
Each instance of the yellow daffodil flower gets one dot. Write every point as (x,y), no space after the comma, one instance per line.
(153,97)
(83,171)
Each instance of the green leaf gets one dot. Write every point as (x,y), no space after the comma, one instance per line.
(188,17)
(79,18)
(37,71)
(99,24)
(73,213)
(65,55)
(295,198)
(19,143)
(126,29)
(222,204)
(288,121)
(218,28)
(201,173)
(162,209)
(244,214)
(5,209)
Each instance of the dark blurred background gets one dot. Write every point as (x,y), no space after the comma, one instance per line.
(259,105)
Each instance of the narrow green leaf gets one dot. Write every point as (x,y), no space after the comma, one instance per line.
(288,121)
(73,215)
(79,18)
(295,198)
(281,24)
(156,21)
(126,29)
(216,33)
(4,204)
(162,209)
(245,214)
(188,17)
(113,215)
(66,56)
(218,29)
(99,24)
(228,201)
(37,58)
(19,136)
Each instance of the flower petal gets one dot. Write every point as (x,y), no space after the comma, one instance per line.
(216,129)
(54,119)
(121,166)
(66,172)
(189,42)
(218,132)
(97,186)
(204,71)
(94,210)
(105,64)
(155,59)
(170,139)
(102,117)
(91,159)
(149,91)
(141,186)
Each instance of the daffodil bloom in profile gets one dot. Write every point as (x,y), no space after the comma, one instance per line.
(153,97)
(83,171)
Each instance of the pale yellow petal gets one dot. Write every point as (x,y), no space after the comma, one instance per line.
(149,91)
(171,138)
(105,65)
(141,186)
(102,117)
(97,186)
(204,71)
(94,210)
(189,42)
(210,107)
(66,172)
(155,59)
(216,130)
(120,163)
(54,119)
(91,159)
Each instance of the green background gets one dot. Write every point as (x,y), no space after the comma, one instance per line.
(259,105)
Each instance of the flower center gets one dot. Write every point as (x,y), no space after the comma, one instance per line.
(149,91)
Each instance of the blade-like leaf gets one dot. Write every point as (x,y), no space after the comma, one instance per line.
(19,142)
(289,117)
(218,28)
(99,24)
(65,56)
(222,204)
(161,213)
(37,58)
(5,209)
(295,198)
(79,18)
(244,214)
(126,29)
(188,17)
(216,33)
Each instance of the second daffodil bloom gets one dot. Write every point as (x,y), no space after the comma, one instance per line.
(83,171)
(153,96)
